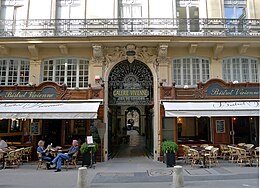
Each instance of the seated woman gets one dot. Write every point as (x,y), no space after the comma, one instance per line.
(44,152)
(65,156)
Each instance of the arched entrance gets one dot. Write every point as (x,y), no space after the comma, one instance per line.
(130,103)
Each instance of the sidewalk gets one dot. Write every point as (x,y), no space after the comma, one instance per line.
(132,172)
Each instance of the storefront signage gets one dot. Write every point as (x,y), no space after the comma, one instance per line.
(130,93)
(130,96)
(217,90)
(46,93)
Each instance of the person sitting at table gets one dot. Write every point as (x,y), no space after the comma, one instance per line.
(44,152)
(3,144)
(65,156)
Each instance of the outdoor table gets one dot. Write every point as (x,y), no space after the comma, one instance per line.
(202,152)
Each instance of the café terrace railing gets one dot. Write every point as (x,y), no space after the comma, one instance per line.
(130,27)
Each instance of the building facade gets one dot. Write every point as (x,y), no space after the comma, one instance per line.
(185,70)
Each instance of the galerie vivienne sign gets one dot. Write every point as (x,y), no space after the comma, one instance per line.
(46,93)
(125,96)
(217,90)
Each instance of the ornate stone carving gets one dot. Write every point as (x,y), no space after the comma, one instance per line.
(98,57)
(115,56)
(131,52)
(162,54)
(146,55)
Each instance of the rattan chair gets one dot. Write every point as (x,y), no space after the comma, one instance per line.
(213,157)
(255,156)
(243,157)
(72,161)
(11,159)
(224,151)
(27,154)
(41,163)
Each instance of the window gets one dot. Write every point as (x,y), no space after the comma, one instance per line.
(240,69)
(131,8)
(190,71)
(193,129)
(71,71)
(14,71)
(235,9)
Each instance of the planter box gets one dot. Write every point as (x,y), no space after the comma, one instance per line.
(170,159)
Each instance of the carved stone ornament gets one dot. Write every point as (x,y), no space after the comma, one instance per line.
(98,56)
(162,54)
(146,55)
(131,52)
(115,55)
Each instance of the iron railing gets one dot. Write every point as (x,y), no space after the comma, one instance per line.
(129,27)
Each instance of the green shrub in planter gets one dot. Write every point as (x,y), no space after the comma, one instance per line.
(169,148)
(85,151)
(84,148)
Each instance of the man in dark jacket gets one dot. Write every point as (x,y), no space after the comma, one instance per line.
(65,156)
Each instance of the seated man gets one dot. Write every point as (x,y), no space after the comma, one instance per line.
(65,156)
(44,153)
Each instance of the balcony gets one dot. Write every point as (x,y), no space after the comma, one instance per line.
(130,27)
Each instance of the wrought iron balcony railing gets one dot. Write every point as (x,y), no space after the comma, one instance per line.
(129,27)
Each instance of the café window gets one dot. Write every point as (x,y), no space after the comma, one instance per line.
(70,71)
(15,126)
(3,125)
(193,129)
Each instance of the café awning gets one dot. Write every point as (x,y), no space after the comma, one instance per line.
(211,108)
(49,109)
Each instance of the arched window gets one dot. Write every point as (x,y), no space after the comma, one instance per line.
(71,71)
(191,70)
(241,69)
(14,71)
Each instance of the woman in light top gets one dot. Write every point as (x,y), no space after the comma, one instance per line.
(43,152)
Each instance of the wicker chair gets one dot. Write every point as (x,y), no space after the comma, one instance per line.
(41,163)
(213,157)
(72,161)
(27,154)
(255,156)
(12,159)
(243,157)
(224,151)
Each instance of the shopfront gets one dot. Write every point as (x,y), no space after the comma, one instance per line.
(48,111)
(215,112)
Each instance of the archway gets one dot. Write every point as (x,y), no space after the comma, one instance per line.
(130,100)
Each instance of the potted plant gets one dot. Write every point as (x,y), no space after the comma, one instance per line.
(169,148)
(85,150)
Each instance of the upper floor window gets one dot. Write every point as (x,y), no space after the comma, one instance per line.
(241,69)
(14,71)
(71,71)
(235,9)
(131,8)
(190,71)
(69,9)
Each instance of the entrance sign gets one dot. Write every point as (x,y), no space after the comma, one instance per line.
(130,84)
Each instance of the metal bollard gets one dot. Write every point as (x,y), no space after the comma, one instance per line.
(82,178)
(178,180)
